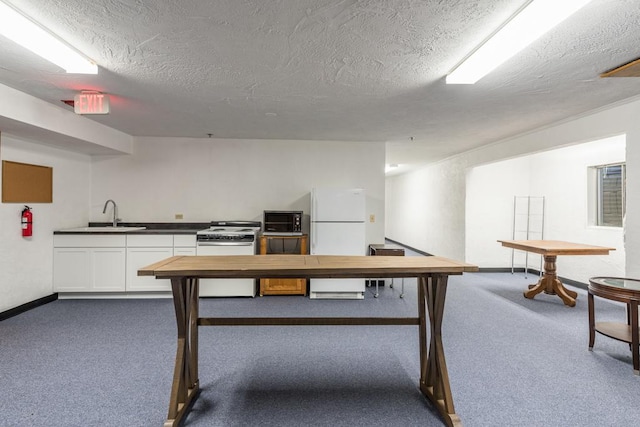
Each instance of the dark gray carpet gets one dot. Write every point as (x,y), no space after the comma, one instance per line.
(512,362)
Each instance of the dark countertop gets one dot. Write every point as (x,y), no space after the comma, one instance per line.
(151,228)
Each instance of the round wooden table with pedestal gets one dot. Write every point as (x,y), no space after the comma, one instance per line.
(550,249)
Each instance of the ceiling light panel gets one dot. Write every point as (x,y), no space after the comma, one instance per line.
(535,19)
(30,35)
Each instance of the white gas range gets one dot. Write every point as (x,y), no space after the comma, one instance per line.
(228,238)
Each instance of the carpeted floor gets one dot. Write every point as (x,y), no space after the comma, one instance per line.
(512,362)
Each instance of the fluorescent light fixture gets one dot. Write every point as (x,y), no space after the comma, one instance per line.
(27,33)
(535,19)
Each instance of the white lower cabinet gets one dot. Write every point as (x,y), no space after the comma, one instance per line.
(72,269)
(143,250)
(108,269)
(184,244)
(89,263)
(110,263)
(141,257)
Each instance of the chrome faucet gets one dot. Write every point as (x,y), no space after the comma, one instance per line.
(115,211)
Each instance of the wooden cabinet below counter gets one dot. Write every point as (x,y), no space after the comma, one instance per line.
(283,286)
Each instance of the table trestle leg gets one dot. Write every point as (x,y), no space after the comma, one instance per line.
(185,385)
(434,377)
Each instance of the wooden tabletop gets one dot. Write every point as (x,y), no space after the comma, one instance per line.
(309,266)
(555,247)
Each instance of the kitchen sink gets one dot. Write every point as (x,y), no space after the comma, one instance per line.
(109,229)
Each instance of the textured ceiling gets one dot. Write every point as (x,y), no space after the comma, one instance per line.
(351,70)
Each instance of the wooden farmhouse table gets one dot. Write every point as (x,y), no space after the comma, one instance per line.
(550,249)
(431,272)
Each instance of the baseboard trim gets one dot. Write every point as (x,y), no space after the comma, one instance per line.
(533,272)
(507,270)
(574,283)
(28,306)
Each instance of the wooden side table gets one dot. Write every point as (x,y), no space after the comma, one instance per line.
(622,290)
(386,250)
(271,286)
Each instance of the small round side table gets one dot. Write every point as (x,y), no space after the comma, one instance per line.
(622,290)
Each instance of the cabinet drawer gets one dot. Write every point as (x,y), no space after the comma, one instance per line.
(283,287)
(153,240)
(85,241)
(187,240)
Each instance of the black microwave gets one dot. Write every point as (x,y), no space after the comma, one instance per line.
(287,223)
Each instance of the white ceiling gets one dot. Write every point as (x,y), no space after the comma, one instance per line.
(347,70)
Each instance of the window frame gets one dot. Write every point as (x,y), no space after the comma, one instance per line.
(598,194)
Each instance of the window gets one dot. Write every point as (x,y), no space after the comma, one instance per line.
(610,197)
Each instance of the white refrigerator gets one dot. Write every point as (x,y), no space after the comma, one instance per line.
(337,228)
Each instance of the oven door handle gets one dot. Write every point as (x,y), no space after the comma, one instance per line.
(204,243)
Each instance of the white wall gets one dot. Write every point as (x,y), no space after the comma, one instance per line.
(490,191)
(203,179)
(632,226)
(218,179)
(423,212)
(561,177)
(424,189)
(26,264)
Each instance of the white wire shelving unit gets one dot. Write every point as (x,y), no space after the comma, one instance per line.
(528,224)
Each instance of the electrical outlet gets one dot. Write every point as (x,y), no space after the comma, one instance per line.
(372,218)
(179,216)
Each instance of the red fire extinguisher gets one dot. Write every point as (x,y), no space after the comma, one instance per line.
(27,222)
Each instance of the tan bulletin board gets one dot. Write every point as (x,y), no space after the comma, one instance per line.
(25,183)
